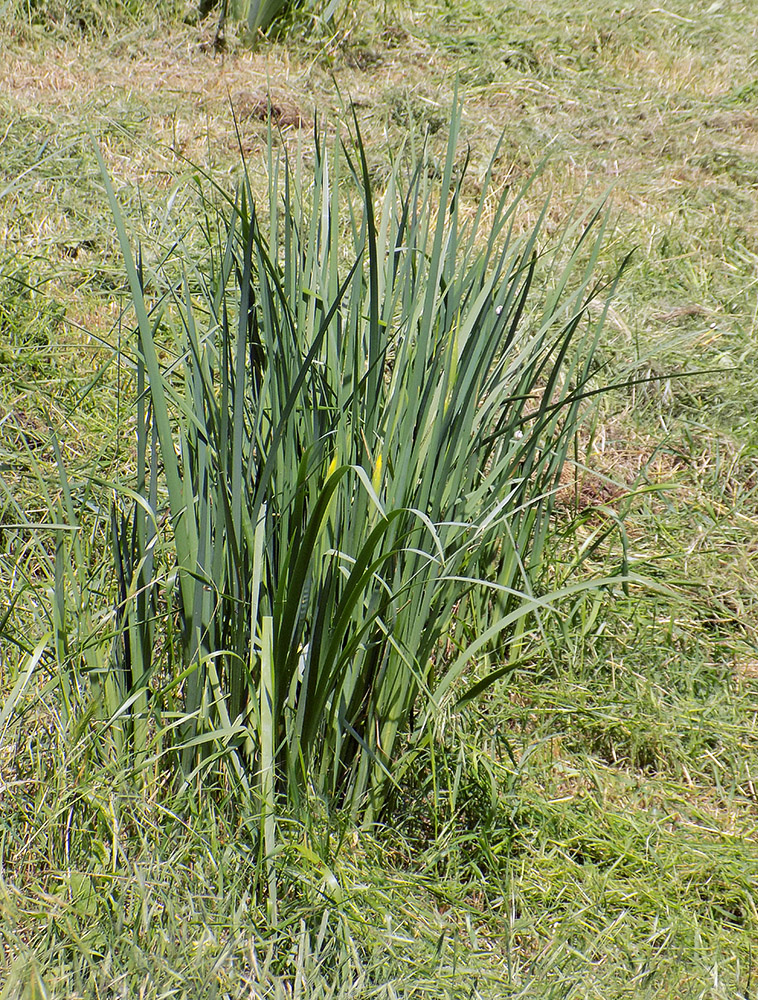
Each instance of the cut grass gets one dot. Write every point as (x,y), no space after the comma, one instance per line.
(569,870)
(610,857)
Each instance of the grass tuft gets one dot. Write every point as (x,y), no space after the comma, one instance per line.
(359,433)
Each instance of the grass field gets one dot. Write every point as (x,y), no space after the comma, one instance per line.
(588,828)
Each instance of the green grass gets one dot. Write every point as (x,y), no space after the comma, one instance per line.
(588,831)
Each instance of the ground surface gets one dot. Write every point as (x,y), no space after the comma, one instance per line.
(610,849)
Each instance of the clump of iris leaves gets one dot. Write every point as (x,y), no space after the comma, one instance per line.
(352,413)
